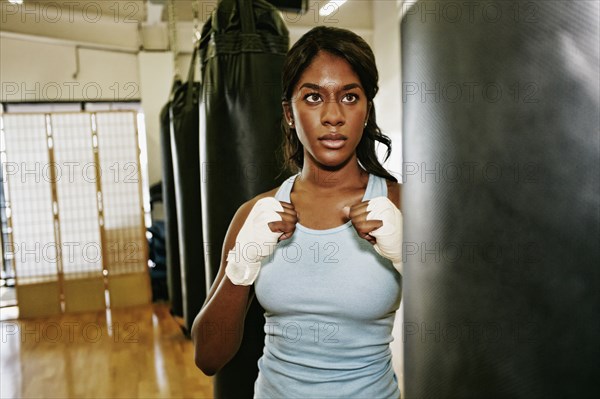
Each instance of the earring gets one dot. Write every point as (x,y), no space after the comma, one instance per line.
(290,123)
(366,123)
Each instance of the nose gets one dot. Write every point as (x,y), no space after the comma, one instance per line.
(332,113)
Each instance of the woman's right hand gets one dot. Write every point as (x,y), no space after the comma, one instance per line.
(269,222)
(287,224)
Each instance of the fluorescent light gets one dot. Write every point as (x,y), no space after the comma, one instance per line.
(330,7)
(19,2)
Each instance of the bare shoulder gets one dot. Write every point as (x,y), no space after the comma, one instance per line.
(394,193)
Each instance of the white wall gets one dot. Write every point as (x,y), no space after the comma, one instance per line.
(33,69)
(156,78)
(386,46)
(100,22)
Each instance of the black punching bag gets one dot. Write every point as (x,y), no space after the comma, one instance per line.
(169,204)
(500,200)
(242,50)
(186,171)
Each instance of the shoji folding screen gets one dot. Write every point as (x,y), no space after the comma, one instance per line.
(75,211)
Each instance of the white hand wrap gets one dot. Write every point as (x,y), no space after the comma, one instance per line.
(254,242)
(389,236)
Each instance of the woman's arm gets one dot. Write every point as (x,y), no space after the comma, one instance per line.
(394,193)
(218,329)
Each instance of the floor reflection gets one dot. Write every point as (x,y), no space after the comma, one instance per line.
(124,353)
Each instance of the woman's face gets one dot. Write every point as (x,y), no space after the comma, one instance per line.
(328,109)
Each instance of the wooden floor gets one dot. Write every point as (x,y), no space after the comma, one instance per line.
(126,353)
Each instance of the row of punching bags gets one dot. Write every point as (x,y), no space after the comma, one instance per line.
(218,139)
(501,262)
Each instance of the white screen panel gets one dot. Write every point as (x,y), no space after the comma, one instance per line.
(122,203)
(29,181)
(76,191)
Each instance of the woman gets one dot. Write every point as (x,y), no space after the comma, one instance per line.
(322,252)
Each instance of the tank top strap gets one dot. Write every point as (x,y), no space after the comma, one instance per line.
(376,187)
(283,194)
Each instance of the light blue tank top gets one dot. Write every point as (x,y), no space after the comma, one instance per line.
(330,301)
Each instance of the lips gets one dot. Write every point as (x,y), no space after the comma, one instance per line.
(333,141)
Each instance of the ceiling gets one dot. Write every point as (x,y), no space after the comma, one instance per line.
(130,25)
(353,14)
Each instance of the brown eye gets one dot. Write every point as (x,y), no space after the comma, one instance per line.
(312,98)
(350,98)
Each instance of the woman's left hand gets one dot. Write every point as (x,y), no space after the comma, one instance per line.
(357,213)
(387,229)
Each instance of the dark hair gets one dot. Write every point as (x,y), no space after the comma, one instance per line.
(352,48)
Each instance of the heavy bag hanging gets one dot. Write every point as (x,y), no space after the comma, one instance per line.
(242,50)
(169,204)
(500,199)
(186,171)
